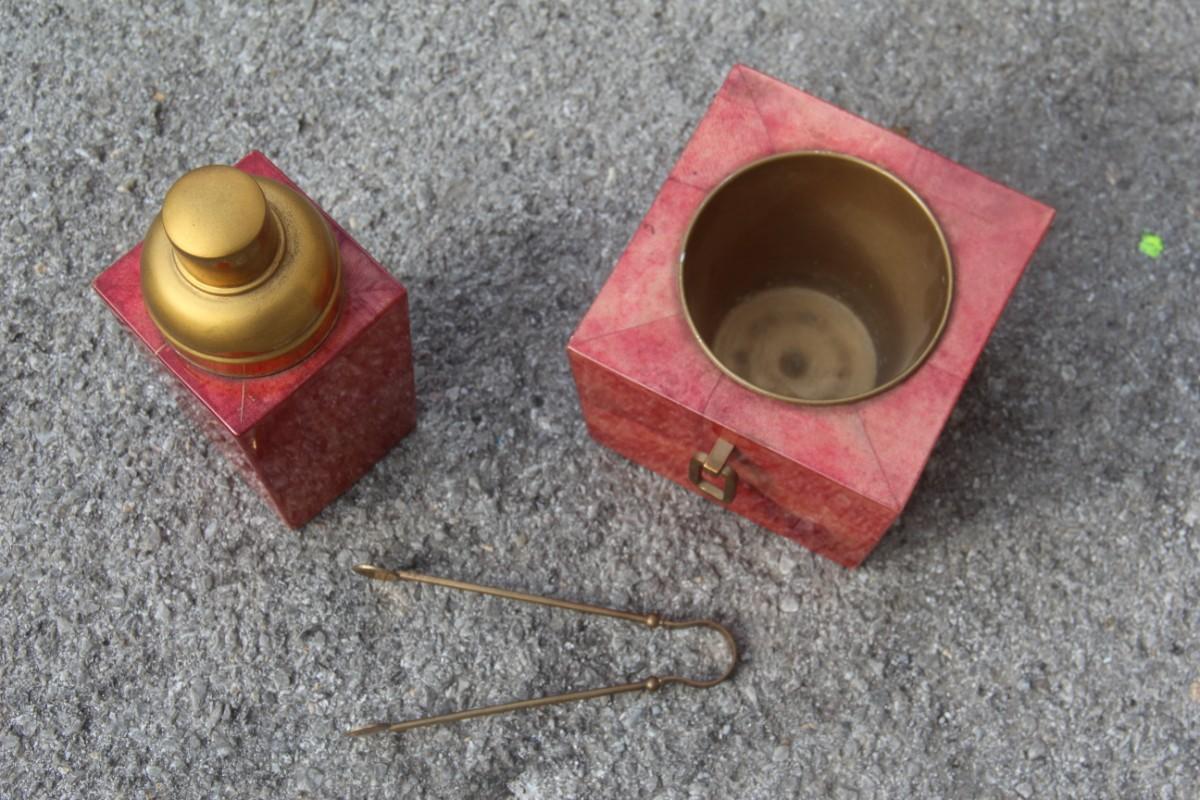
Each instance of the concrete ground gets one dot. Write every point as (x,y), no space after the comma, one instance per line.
(1030,629)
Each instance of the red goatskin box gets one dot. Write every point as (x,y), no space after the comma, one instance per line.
(303,436)
(832,478)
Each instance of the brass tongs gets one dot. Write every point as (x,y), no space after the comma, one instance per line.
(649,684)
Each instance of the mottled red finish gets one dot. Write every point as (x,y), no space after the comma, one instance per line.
(832,478)
(305,435)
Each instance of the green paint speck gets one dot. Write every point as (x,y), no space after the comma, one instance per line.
(1151,245)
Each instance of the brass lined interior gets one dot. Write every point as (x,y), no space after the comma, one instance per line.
(816,278)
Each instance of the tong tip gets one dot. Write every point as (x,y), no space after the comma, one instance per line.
(372,571)
(367,730)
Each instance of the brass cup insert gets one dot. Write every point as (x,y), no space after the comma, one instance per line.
(816,278)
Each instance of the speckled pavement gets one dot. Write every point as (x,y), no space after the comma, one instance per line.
(1030,629)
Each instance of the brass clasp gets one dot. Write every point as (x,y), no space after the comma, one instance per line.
(705,468)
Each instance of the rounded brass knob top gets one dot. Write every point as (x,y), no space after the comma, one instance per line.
(214,212)
(221,226)
(242,275)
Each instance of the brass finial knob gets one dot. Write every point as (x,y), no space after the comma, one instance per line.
(241,274)
(218,220)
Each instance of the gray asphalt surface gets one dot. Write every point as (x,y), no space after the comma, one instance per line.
(1030,629)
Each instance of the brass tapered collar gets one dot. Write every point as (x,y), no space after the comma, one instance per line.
(241,274)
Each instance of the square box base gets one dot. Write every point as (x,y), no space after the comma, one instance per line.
(303,436)
(832,478)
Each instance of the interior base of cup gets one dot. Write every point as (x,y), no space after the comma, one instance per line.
(799,343)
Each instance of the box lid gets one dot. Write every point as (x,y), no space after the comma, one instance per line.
(878,447)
